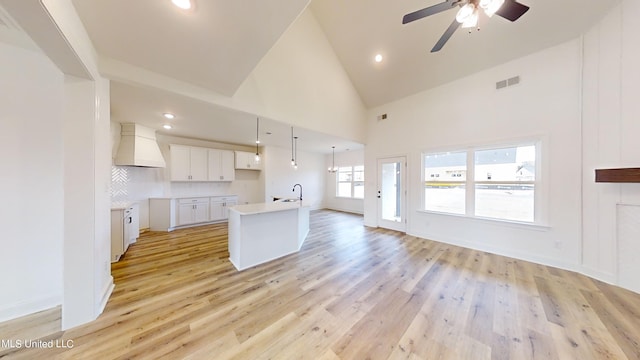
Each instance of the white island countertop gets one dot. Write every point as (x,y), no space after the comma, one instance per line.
(248,209)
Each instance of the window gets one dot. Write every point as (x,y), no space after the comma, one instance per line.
(350,182)
(445,182)
(497,183)
(505,183)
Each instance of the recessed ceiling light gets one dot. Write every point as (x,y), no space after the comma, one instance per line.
(167,126)
(169,115)
(182,4)
(378,58)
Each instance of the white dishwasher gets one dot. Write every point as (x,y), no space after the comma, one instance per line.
(124,228)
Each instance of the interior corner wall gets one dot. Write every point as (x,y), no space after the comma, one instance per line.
(331,201)
(301,81)
(32,182)
(102,252)
(81,262)
(544,106)
(280,176)
(611,79)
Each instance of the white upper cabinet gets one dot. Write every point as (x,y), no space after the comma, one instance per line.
(188,163)
(221,165)
(191,163)
(247,161)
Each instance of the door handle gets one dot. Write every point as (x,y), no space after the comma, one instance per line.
(378,194)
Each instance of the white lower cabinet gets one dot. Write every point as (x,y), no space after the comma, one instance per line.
(125,229)
(220,207)
(167,214)
(192,211)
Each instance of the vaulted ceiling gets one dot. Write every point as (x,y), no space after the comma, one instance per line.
(217,45)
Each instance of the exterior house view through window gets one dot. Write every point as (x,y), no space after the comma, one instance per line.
(350,182)
(497,183)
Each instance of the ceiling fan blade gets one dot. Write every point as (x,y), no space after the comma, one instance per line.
(512,10)
(447,34)
(431,10)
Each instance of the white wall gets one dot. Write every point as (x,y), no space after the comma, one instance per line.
(280,176)
(331,201)
(610,134)
(31,98)
(301,82)
(470,111)
(79,118)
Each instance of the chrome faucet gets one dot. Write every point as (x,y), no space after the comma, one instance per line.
(294,189)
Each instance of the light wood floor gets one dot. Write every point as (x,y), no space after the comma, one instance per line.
(351,293)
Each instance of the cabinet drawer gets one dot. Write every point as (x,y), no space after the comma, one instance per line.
(193,201)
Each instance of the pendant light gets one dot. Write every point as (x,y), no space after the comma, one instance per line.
(293,160)
(257,158)
(333,168)
(295,151)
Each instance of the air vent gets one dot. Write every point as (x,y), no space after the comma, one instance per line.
(508,82)
(382,117)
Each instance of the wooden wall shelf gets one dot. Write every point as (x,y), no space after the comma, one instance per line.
(623,175)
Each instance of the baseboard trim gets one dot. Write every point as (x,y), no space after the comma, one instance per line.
(106,294)
(24,308)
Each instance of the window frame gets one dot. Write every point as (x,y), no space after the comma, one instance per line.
(540,188)
(353,182)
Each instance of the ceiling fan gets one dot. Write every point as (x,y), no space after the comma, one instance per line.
(467,16)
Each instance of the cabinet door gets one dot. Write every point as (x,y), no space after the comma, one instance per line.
(201,212)
(247,161)
(199,164)
(180,163)
(221,165)
(135,222)
(242,160)
(227,170)
(228,205)
(185,214)
(215,173)
(217,210)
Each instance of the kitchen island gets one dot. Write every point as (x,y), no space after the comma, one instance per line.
(262,232)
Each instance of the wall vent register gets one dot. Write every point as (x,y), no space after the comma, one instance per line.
(508,82)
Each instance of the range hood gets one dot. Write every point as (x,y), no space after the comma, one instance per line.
(138,147)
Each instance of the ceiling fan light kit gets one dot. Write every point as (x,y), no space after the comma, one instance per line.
(468,14)
(490,6)
(465,12)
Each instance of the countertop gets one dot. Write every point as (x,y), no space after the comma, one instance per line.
(122,205)
(192,196)
(260,208)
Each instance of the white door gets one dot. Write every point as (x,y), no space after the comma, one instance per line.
(391,193)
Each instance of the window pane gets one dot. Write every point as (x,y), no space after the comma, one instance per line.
(344,174)
(358,173)
(445,167)
(444,198)
(358,190)
(344,189)
(505,201)
(506,164)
